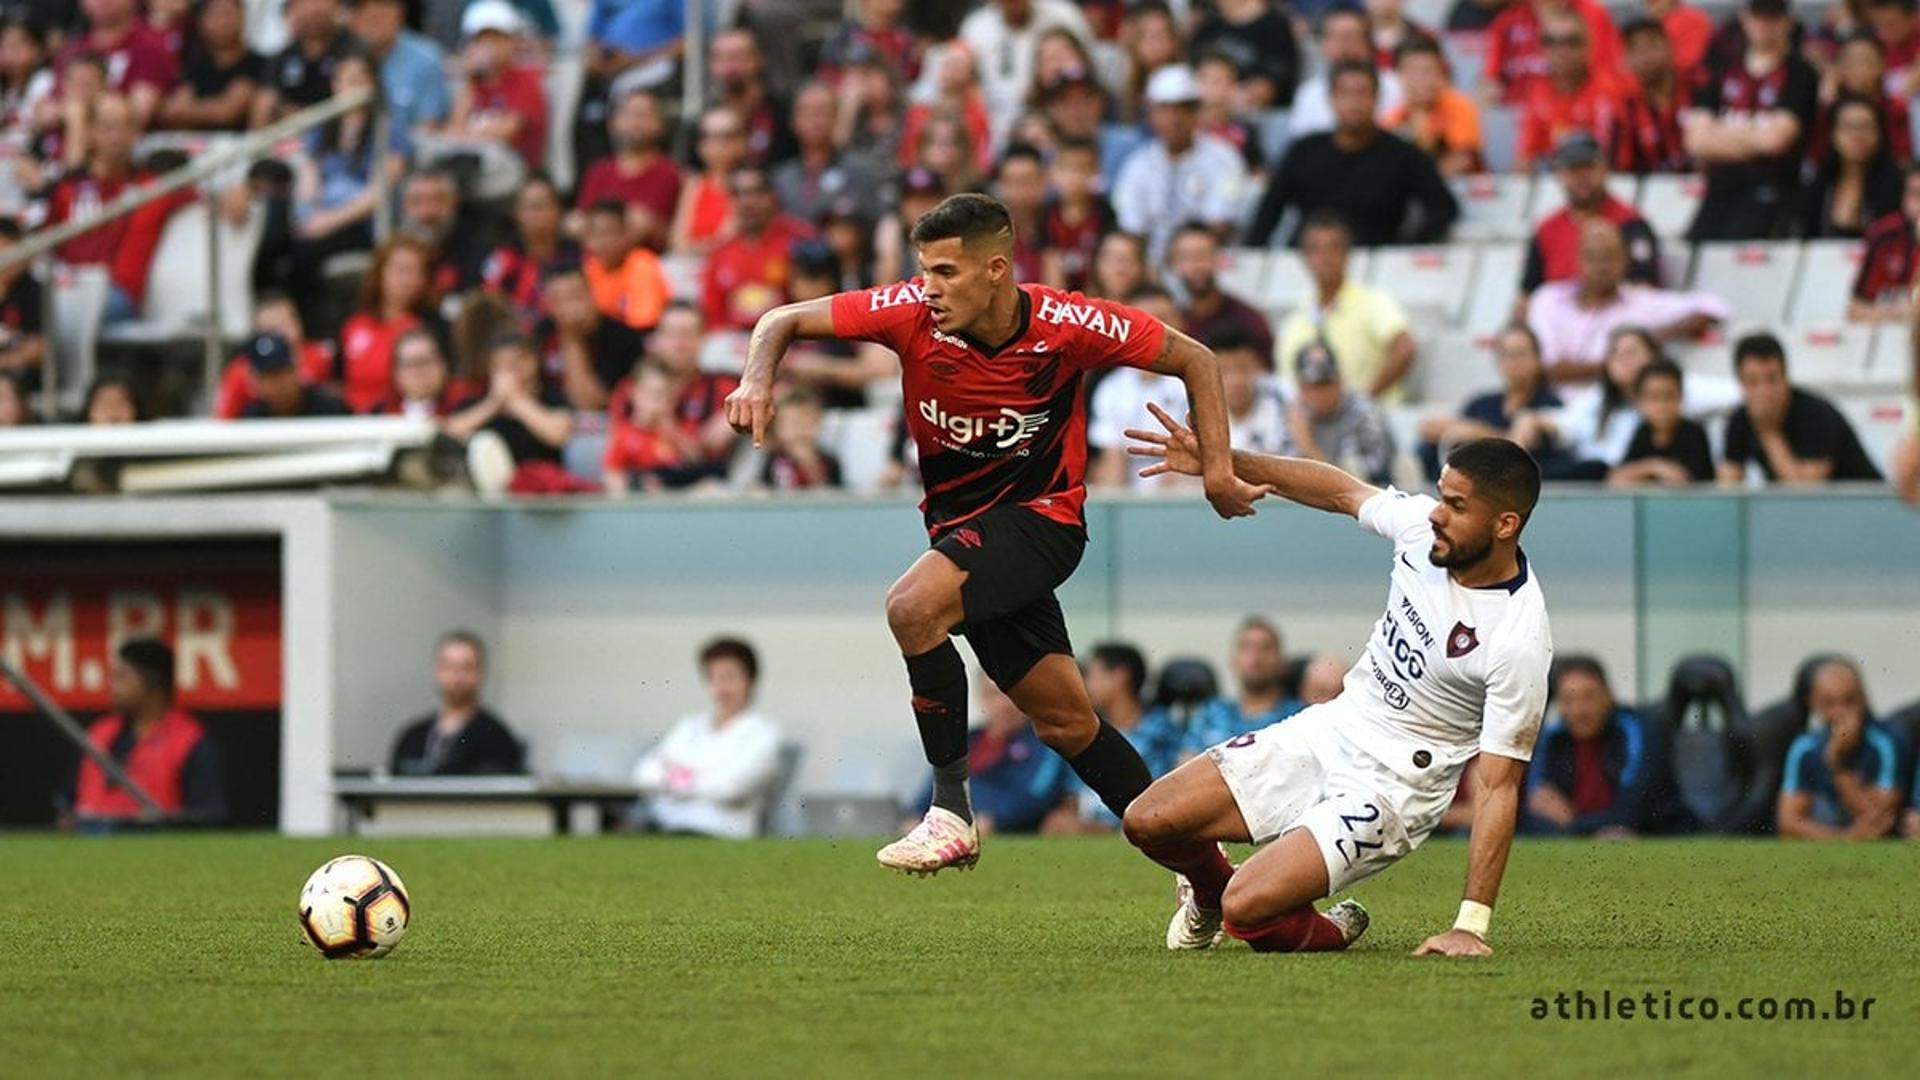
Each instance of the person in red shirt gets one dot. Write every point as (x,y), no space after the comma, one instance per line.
(739,81)
(126,244)
(991,373)
(696,399)
(1574,96)
(500,100)
(274,312)
(1897,24)
(162,748)
(746,276)
(797,462)
(1580,167)
(638,173)
(1645,136)
(646,446)
(138,62)
(1883,287)
(396,296)
(1516,57)
(1077,217)
(515,269)
(1689,30)
(423,383)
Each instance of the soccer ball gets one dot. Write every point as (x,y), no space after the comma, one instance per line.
(354,907)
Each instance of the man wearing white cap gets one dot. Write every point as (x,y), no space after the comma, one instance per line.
(500,100)
(1182,175)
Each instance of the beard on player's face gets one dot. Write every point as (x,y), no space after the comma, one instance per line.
(1459,553)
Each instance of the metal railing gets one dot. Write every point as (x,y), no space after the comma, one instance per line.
(253,144)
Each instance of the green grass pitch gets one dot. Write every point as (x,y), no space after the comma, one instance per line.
(661,957)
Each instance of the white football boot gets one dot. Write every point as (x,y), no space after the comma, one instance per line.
(1193,927)
(1350,917)
(941,840)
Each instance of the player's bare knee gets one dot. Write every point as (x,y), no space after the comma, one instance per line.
(1145,825)
(1067,731)
(913,615)
(1242,904)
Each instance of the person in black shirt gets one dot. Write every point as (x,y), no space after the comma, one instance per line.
(532,419)
(220,75)
(21,311)
(1749,126)
(460,737)
(1371,177)
(589,352)
(1667,448)
(278,392)
(1259,40)
(1794,436)
(302,73)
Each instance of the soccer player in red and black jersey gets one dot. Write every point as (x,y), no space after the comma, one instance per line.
(991,371)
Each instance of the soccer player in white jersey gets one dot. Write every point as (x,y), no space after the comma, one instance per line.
(1457,666)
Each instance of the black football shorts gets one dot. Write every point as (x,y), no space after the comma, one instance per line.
(1014,559)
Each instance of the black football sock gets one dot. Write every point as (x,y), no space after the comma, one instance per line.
(1113,769)
(938,679)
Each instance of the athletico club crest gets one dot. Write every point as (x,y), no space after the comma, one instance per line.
(1461,641)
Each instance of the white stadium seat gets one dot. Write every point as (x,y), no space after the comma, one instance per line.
(1286,284)
(1879,418)
(1242,271)
(1827,270)
(1890,364)
(1496,282)
(1549,196)
(1430,279)
(1755,279)
(1466,55)
(1499,137)
(1492,207)
(1668,202)
(1834,355)
(1453,366)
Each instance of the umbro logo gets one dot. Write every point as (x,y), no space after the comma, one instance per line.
(967,538)
(943,369)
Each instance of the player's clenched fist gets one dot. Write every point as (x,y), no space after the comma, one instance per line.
(1455,943)
(750,410)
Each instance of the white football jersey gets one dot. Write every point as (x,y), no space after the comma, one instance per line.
(1450,671)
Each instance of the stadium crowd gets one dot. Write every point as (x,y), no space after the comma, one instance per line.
(1145,148)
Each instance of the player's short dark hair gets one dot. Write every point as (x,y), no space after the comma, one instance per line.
(1119,654)
(152,659)
(969,217)
(1353,67)
(731,648)
(1658,368)
(1578,663)
(1502,472)
(1758,348)
(462,636)
(1326,219)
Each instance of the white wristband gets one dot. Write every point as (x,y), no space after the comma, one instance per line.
(1474,918)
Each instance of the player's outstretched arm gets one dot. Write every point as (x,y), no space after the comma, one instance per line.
(750,407)
(1309,483)
(1194,364)
(1496,811)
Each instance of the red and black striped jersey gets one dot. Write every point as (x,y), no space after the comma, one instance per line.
(1006,425)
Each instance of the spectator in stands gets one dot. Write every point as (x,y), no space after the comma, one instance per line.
(112,400)
(955,95)
(1524,391)
(1573,318)
(1259,37)
(1221,115)
(1364,326)
(423,383)
(1119,267)
(303,73)
(847,235)
(138,63)
(839,372)
(1792,436)
(529,417)
(430,214)
(220,75)
(704,215)
(278,392)
(1328,422)
(1346,41)
(1843,776)
(1152,41)
(1897,24)
(1749,128)
(1882,287)
(646,446)
(1688,32)
(1020,182)
(1075,104)
(1581,170)
(1646,136)
(696,399)
(1573,96)
(274,312)
(740,83)
(627,279)
(1001,34)
(1258,662)
(1116,676)
(945,146)
(1860,70)
(160,745)
(1076,217)
(714,771)
(540,246)
(1256,411)
(591,350)
(460,736)
(334,190)
(413,79)
(1667,448)
(1439,119)
(1119,400)
(632,45)
(1322,680)
(1516,48)
(1597,425)
(1182,175)
(26,78)
(1599,770)
(500,101)
(396,296)
(875,29)
(1857,183)
(15,411)
(22,308)
(872,117)
(61,121)
(1391,30)
(638,173)
(1386,188)
(1194,259)
(746,276)
(795,460)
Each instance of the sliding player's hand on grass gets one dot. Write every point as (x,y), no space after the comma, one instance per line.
(750,411)
(1455,943)
(1179,452)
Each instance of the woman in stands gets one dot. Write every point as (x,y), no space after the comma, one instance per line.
(112,400)
(1858,182)
(396,296)
(945,146)
(334,191)
(955,92)
(219,74)
(1119,267)
(514,271)
(1524,391)
(705,214)
(25,76)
